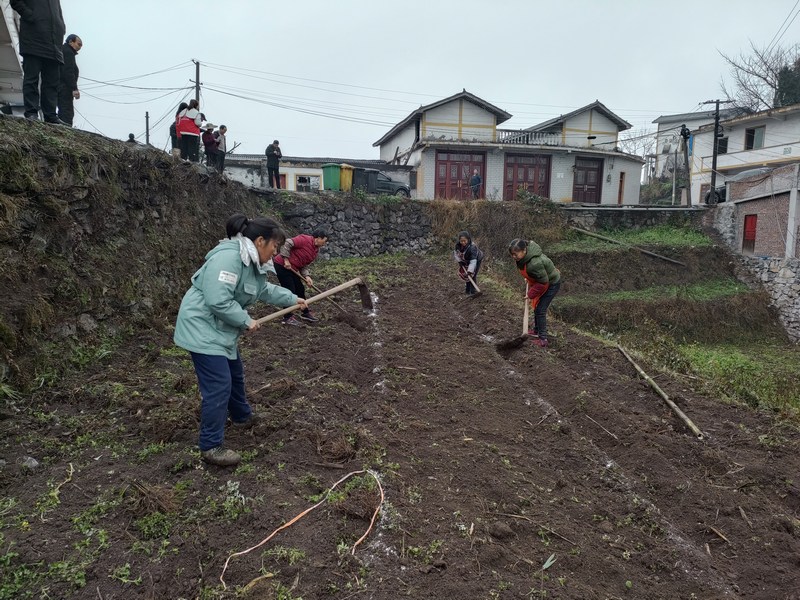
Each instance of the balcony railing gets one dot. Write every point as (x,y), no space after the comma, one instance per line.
(528,138)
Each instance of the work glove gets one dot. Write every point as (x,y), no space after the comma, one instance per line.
(537,289)
(462,273)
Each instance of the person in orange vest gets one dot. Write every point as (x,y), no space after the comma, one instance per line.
(543,280)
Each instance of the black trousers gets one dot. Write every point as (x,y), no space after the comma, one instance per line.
(66,111)
(291,282)
(220,161)
(540,314)
(190,147)
(470,289)
(272,172)
(49,71)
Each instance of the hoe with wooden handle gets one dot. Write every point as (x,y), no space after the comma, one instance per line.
(518,341)
(366,299)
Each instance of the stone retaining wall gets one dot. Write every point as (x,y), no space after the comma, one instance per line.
(360,228)
(781,278)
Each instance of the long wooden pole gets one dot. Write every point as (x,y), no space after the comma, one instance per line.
(317,298)
(642,250)
(660,392)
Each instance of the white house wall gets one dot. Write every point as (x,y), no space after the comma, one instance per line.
(781,145)
(669,133)
(403,140)
(578,128)
(561,176)
(458,120)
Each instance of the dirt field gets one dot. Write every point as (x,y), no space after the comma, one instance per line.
(490,465)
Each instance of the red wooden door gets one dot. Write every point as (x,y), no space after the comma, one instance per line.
(526,172)
(453,172)
(586,187)
(749,239)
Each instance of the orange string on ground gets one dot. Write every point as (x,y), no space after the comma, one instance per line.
(304,513)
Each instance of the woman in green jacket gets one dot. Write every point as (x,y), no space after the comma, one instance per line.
(212,317)
(543,280)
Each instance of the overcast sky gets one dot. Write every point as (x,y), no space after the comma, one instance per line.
(330,77)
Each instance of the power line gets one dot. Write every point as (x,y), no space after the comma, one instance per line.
(137,101)
(301,110)
(775,37)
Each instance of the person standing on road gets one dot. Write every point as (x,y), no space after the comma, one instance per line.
(475,183)
(68,90)
(273,162)
(469,258)
(291,267)
(212,317)
(543,280)
(41,32)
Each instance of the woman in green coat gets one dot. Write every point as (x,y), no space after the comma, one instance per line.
(212,317)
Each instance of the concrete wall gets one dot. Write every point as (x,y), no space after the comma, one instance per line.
(404,140)
(577,129)
(458,120)
(561,176)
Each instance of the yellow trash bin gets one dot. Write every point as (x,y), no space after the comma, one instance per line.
(346,178)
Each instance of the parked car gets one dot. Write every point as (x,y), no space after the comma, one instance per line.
(387,185)
(721,192)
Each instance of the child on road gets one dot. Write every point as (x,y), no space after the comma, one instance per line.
(469,258)
(212,317)
(543,280)
(291,267)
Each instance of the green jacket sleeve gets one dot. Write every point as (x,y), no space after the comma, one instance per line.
(218,284)
(277,295)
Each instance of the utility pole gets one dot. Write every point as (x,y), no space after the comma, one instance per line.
(196,79)
(147,128)
(713,193)
(686,134)
(674,173)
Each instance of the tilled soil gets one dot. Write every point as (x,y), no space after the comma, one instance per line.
(490,465)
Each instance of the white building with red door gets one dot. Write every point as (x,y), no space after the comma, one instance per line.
(571,158)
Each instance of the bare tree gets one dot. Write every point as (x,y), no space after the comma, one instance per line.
(755,76)
(639,142)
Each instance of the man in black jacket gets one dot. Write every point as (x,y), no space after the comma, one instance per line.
(68,90)
(41,32)
(273,160)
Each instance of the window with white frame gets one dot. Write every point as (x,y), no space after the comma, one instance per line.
(754,138)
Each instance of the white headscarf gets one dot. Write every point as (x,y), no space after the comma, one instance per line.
(249,253)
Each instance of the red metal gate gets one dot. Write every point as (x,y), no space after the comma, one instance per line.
(453,172)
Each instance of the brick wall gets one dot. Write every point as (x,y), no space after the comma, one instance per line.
(772,219)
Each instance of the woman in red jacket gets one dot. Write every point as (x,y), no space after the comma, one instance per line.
(188,129)
(291,267)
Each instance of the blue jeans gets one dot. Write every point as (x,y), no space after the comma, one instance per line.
(221,384)
(540,314)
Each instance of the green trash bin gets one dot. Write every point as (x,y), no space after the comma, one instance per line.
(346,177)
(331,177)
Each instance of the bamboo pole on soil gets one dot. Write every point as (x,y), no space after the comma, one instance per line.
(642,250)
(663,395)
